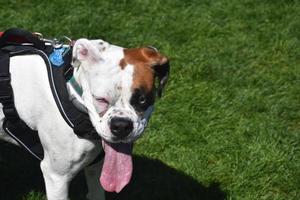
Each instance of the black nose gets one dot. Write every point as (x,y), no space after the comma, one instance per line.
(121,127)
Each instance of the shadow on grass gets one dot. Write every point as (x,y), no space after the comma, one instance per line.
(152,180)
(19,173)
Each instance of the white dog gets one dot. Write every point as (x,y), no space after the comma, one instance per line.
(119,90)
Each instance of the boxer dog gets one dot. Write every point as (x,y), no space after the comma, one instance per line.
(119,90)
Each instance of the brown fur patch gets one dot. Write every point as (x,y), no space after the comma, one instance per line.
(143,73)
(143,77)
(122,63)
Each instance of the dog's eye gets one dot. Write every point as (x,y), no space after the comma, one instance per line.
(142,99)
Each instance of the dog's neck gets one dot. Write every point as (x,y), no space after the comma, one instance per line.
(75,93)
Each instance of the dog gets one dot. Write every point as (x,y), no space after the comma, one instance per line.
(119,89)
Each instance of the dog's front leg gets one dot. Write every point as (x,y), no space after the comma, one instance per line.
(92,174)
(57,184)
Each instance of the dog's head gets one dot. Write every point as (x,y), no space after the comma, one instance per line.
(119,89)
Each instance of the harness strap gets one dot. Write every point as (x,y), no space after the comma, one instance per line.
(6,93)
(17,36)
(25,136)
(13,124)
(77,120)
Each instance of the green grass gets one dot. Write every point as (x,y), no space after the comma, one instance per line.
(228,125)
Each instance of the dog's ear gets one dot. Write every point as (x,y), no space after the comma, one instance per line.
(85,51)
(160,65)
(162,72)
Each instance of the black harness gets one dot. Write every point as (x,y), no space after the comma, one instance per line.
(16,42)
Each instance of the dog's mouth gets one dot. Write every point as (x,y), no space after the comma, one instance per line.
(117,167)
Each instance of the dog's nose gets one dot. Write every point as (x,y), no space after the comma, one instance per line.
(121,127)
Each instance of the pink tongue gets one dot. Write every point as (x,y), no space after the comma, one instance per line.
(117,167)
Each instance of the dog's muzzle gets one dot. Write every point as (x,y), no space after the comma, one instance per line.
(126,129)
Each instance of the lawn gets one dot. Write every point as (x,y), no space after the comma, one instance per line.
(228,125)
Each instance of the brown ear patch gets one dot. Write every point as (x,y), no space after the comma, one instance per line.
(143,77)
(141,60)
(153,57)
(144,55)
(133,56)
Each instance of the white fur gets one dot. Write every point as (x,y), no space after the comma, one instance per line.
(65,154)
